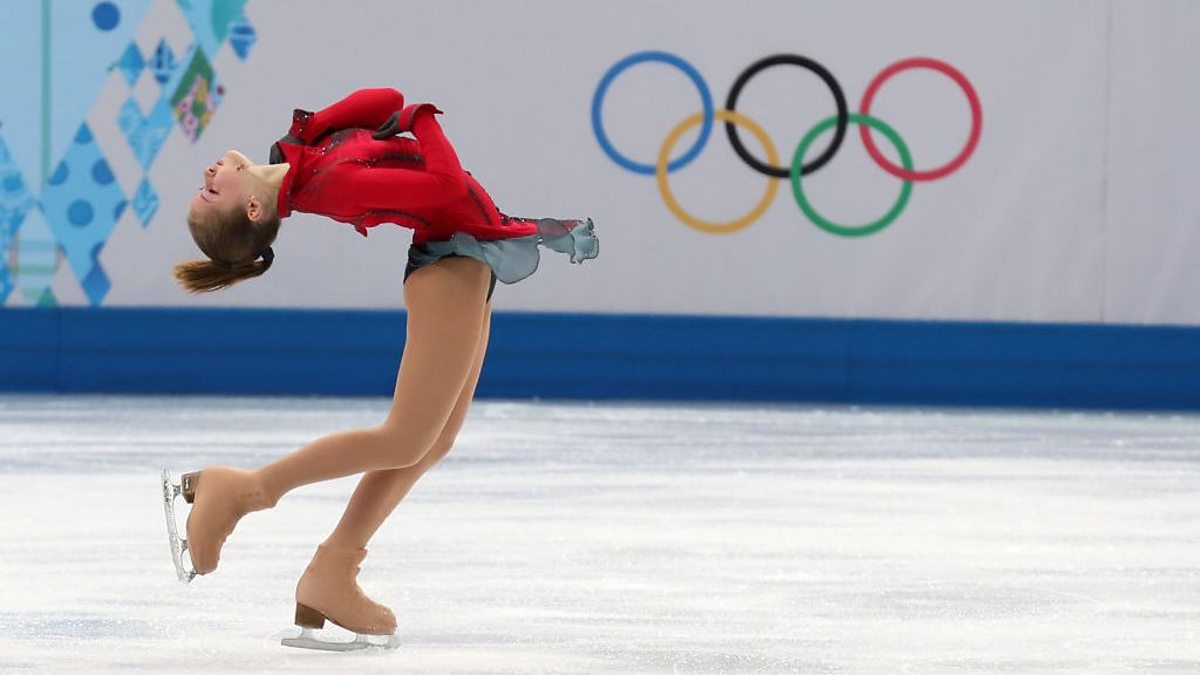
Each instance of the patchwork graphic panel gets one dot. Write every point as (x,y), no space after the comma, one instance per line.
(60,201)
(196,98)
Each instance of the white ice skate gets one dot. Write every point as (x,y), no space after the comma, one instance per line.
(179,547)
(309,639)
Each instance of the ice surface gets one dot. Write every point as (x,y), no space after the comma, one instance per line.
(625,538)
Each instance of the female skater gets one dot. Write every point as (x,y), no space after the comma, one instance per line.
(347,162)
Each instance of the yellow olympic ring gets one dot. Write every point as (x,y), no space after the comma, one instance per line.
(664,188)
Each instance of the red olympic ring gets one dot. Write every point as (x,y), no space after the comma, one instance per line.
(976,119)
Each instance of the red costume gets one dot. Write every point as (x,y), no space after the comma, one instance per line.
(341,169)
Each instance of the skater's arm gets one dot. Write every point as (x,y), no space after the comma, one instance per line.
(442,180)
(440,158)
(363,109)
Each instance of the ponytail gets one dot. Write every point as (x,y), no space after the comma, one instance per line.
(204,276)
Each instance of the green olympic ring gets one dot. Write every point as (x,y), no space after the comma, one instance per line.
(823,222)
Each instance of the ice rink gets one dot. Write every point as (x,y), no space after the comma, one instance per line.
(576,538)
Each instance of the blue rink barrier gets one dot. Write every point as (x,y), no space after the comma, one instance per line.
(600,356)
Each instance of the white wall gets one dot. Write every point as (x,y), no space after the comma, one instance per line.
(1076,205)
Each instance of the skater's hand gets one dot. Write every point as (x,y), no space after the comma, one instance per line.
(389,128)
(403,120)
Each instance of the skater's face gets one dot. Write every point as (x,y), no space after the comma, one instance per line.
(232,216)
(227,185)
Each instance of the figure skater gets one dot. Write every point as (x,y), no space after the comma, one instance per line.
(347,162)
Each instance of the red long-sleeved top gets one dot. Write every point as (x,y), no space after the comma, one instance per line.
(338,170)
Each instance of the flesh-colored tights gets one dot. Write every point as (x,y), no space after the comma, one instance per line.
(448,323)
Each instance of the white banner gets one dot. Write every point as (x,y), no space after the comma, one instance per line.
(1152,201)
(1045,183)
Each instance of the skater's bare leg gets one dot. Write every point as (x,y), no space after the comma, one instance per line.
(446,316)
(379,492)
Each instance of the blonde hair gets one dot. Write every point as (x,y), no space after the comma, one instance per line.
(238,248)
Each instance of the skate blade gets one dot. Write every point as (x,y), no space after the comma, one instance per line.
(308,640)
(171,490)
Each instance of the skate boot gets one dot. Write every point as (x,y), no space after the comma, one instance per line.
(328,591)
(219,496)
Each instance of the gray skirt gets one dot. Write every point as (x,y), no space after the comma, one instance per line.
(512,260)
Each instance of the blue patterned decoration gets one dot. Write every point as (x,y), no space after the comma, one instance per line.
(82,203)
(145,202)
(36,260)
(242,37)
(15,203)
(146,133)
(210,20)
(132,64)
(106,16)
(162,64)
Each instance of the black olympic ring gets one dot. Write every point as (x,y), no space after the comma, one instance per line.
(843,115)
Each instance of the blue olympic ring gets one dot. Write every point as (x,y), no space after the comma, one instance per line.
(621,66)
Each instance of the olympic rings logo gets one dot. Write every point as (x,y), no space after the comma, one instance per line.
(798,168)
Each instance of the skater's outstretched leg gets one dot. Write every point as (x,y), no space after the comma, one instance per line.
(446,314)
